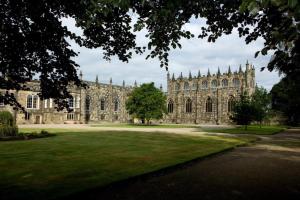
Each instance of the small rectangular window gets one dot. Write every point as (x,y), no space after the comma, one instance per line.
(27,116)
(71,102)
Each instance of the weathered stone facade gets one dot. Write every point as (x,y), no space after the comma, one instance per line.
(207,99)
(98,102)
(201,99)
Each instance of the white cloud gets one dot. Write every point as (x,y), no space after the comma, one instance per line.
(196,54)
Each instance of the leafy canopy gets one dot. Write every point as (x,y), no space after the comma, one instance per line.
(243,111)
(286,98)
(262,104)
(34,42)
(146,102)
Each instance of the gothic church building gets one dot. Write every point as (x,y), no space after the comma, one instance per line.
(207,99)
(198,99)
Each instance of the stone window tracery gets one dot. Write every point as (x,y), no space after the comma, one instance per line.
(170,106)
(209,105)
(214,83)
(186,86)
(204,84)
(224,83)
(102,104)
(116,105)
(188,105)
(236,82)
(231,103)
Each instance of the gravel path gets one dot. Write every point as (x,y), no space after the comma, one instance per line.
(269,169)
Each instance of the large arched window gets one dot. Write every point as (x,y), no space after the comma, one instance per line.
(87,103)
(214,83)
(186,86)
(177,87)
(71,102)
(195,86)
(209,105)
(231,102)
(236,82)
(224,83)
(102,104)
(204,84)
(188,105)
(116,105)
(170,106)
(29,101)
(32,101)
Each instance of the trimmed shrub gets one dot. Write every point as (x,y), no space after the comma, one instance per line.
(6,131)
(8,127)
(6,118)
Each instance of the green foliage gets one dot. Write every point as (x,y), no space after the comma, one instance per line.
(262,104)
(8,131)
(243,111)
(286,98)
(256,107)
(146,102)
(7,125)
(6,118)
(43,48)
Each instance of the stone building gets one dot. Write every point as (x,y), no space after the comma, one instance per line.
(201,99)
(207,99)
(98,102)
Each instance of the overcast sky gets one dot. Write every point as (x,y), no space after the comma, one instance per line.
(196,54)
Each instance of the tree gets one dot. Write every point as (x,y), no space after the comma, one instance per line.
(33,43)
(146,102)
(243,111)
(286,98)
(262,103)
(33,39)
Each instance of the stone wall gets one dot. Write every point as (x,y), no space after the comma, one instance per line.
(220,88)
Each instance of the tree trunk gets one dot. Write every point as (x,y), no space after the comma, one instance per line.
(260,124)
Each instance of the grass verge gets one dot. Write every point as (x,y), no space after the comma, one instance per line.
(253,129)
(72,162)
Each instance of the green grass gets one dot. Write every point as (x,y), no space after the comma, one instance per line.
(70,162)
(253,129)
(145,126)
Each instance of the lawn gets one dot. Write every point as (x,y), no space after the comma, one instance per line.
(253,129)
(146,126)
(71,162)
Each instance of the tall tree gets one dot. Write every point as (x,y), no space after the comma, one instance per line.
(146,102)
(262,104)
(286,98)
(33,39)
(243,111)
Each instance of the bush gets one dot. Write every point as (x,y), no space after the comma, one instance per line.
(6,131)
(6,118)
(7,125)
(43,132)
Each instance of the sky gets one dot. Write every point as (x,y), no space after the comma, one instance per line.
(195,54)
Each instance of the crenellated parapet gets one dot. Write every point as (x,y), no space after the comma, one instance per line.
(243,79)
